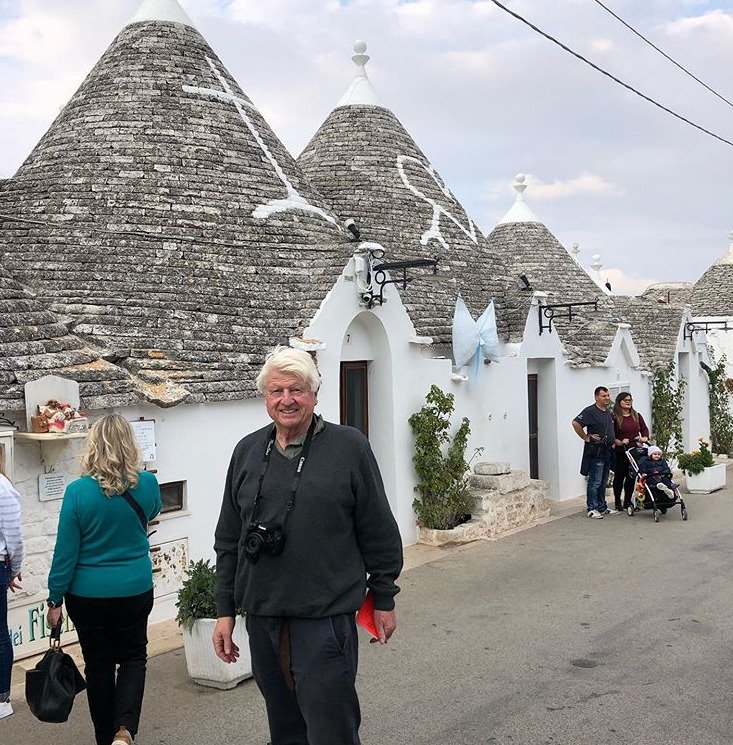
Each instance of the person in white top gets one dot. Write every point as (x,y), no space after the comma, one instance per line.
(11,556)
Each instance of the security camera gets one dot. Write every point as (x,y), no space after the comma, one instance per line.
(353,228)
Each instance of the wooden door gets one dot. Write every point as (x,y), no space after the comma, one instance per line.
(355,395)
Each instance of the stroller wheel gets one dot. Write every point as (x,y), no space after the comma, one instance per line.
(630,510)
(656,517)
(663,510)
(684,513)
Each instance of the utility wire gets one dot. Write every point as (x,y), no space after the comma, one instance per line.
(663,53)
(609,75)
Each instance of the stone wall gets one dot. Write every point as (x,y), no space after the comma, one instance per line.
(505,500)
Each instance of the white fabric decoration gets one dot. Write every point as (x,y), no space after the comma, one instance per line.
(474,338)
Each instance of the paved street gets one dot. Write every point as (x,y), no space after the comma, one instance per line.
(576,631)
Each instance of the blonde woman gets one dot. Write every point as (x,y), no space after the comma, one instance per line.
(11,556)
(102,570)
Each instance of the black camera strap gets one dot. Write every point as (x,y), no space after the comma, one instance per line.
(296,476)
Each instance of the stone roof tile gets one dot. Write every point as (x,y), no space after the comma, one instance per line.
(34,343)
(161,213)
(529,248)
(369,168)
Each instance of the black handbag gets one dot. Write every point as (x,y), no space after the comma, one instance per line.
(51,686)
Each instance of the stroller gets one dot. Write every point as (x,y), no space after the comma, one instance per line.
(648,497)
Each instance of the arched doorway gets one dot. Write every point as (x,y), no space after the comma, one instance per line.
(366,391)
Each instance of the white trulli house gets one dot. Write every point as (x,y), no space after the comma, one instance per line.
(712,306)
(573,341)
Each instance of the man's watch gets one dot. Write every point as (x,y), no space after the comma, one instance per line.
(52,605)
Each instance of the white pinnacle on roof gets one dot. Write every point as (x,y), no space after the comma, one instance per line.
(361,91)
(519,211)
(727,257)
(161,10)
(595,273)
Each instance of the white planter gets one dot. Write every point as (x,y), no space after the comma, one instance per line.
(204,666)
(711,479)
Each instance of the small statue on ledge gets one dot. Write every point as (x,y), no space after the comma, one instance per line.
(60,418)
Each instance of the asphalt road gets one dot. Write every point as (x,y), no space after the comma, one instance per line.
(574,632)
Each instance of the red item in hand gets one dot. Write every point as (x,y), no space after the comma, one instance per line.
(365,615)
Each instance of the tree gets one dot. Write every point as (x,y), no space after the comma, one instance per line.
(668,401)
(442,480)
(721,421)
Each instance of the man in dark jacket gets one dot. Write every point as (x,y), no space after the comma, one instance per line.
(595,426)
(305,529)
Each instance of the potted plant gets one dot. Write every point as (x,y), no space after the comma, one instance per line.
(703,476)
(197,617)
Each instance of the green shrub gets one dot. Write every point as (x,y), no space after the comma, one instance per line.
(196,596)
(668,403)
(698,460)
(721,420)
(441,478)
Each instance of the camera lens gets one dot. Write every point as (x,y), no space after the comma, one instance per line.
(252,546)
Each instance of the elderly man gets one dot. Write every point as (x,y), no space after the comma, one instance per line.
(595,426)
(305,528)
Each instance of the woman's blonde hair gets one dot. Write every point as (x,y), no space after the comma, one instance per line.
(111,455)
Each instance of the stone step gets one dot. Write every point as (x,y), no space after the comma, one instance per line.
(494,468)
(504,483)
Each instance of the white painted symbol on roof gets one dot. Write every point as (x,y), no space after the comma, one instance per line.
(433,232)
(293,199)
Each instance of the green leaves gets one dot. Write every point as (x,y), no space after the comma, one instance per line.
(698,460)
(196,596)
(440,463)
(721,421)
(668,403)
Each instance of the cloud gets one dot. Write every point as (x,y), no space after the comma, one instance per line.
(601,45)
(585,184)
(717,22)
(37,38)
(623,284)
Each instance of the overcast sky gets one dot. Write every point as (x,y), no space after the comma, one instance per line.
(484,96)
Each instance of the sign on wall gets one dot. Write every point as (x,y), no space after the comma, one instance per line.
(52,485)
(144,430)
(29,632)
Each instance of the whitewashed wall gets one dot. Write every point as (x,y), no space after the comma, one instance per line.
(688,355)
(401,372)
(194,444)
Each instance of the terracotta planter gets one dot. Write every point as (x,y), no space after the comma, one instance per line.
(710,480)
(204,666)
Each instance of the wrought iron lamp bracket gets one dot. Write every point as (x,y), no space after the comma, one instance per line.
(379,277)
(692,326)
(559,310)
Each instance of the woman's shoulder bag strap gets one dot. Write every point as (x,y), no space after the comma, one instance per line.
(138,509)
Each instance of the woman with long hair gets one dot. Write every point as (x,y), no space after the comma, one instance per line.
(630,430)
(11,556)
(102,570)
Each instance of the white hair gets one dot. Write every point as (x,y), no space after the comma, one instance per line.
(295,362)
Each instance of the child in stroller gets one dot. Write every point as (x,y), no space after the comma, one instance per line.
(658,474)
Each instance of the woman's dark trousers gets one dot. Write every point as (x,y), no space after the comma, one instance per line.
(6,646)
(315,701)
(113,632)
(623,480)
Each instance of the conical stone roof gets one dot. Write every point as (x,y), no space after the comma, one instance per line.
(712,294)
(34,342)
(164,217)
(369,168)
(530,249)
(655,317)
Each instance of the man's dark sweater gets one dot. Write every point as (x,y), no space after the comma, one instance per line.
(340,529)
